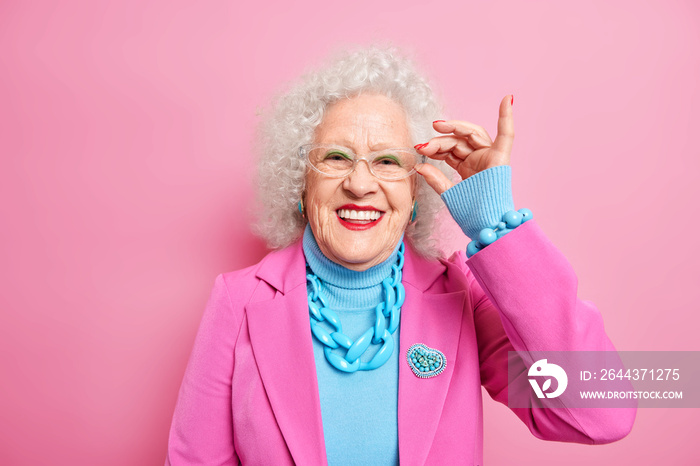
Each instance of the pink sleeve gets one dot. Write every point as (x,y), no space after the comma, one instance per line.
(524,293)
(202,427)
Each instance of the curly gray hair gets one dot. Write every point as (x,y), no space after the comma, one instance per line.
(296,114)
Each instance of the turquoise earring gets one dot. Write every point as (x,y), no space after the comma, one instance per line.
(414,211)
(300,206)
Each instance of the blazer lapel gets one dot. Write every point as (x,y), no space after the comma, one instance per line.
(434,319)
(281,339)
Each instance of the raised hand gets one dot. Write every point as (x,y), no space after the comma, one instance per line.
(467,148)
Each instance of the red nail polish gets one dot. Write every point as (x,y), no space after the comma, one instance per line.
(417,146)
(439,121)
(511,100)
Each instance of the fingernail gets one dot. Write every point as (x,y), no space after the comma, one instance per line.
(439,121)
(420,146)
(511,100)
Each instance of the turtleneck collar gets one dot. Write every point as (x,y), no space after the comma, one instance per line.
(342,277)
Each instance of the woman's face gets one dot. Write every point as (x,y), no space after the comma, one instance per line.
(365,123)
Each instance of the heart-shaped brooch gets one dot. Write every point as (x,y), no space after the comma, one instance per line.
(424,361)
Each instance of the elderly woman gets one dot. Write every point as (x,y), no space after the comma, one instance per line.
(356,342)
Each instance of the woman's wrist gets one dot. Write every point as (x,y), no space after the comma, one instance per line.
(509,222)
(480,201)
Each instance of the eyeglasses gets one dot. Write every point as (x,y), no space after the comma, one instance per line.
(338,161)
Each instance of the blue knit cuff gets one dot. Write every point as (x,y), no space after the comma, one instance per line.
(481,200)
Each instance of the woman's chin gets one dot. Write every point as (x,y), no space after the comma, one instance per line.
(356,255)
(357,248)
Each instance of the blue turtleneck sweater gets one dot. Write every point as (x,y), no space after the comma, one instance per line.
(359,410)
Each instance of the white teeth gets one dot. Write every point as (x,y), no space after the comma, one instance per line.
(359,214)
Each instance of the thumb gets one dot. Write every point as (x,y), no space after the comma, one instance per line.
(434,177)
(505,133)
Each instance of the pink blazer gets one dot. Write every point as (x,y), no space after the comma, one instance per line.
(250,393)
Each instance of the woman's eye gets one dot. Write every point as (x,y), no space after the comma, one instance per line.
(336,156)
(387,161)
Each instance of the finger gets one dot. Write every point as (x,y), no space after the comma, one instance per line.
(460,128)
(453,161)
(477,142)
(443,144)
(449,158)
(434,177)
(506,133)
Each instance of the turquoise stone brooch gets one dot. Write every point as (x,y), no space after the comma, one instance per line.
(424,361)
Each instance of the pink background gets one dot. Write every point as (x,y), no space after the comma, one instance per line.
(125,132)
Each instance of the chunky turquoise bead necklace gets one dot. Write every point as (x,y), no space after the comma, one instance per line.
(390,308)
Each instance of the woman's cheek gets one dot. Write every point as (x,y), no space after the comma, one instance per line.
(403,208)
(319,216)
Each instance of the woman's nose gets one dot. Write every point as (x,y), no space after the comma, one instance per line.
(361,181)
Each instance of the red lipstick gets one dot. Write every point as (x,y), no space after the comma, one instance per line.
(358,226)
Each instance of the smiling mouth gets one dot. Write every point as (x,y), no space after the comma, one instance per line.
(359,216)
(357,220)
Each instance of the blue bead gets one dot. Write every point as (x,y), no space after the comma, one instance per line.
(342,339)
(332,318)
(360,345)
(315,311)
(389,296)
(501,225)
(323,336)
(527,214)
(340,363)
(472,249)
(379,326)
(512,218)
(394,319)
(487,236)
(382,355)
(400,294)
(503,232)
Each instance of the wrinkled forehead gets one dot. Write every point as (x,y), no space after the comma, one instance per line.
(367,122)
